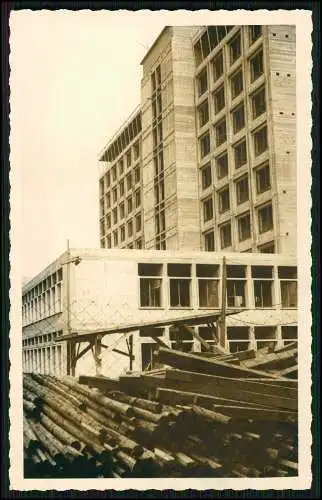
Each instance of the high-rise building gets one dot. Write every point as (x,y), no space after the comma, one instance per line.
(217,144)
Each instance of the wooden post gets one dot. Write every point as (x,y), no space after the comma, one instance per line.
(130,347)
(222,340)
(68,367)
(73,358)
(98,352)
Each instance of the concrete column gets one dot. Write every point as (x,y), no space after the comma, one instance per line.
(48,358)
(279,340)
(59,361)
(53,359)
(252,340)
(250,302)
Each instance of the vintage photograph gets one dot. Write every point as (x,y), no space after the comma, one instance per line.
(160,270)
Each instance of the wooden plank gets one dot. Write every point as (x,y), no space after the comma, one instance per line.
(282,382)
(227,391)
(291,372)
(102,383)
(292,345)
(216,367)
(273,361)
(243,412)
(196,336)
(189,319)
(226,382)
(173,396)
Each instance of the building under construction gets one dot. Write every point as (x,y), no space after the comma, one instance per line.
(113,307)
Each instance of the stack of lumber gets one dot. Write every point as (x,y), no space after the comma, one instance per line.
(211,415)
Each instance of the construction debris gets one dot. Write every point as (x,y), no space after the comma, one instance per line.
(208,416)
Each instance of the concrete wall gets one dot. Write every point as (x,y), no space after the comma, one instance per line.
(282,95)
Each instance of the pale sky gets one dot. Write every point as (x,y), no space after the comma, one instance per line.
(75,78)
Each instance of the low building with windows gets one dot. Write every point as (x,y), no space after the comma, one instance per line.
(99,290)
(218,145)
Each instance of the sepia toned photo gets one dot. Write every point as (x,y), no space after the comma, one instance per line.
(162,194)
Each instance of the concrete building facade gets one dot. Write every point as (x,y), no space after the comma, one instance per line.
(96,289)
(218,142)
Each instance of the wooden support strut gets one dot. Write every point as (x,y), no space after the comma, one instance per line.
(196,336)
(97,354)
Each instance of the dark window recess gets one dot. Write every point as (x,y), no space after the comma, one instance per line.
(238,346)
(203,112)
(289,293)
(219,99)
(254,33)
(225,236)
(208,210)
(206,179)
(260,141)
(209,240)
(242,190)
(236,293)
(179,292)
(122,188)
(236,84)
(240,153)
(150,292)
(179,345)
(244,227)
(221,133)
(208,293)
(262,272)
(101,187)
(236,271)
(149,361)
(256,66)
(224,201)
(205,44)
(149,269)
(258,103)
(222,166)
(267,248)
(176,334)
(265,218)
(263,181)
(207,333)
(130,229)
(207,270)
(238,118)
(202,82)
(205,145)
(237,333)
(122,211)
(289,332)
(198,53)
(235,49)
(287,272)
(151,331)
(265,336)
(213,36)
(218,66)
(138,223)
(263,293)
(179,270)
(138,243)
